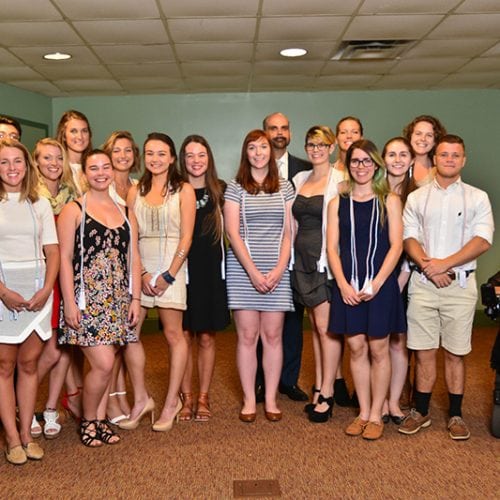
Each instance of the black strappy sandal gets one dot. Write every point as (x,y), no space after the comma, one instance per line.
(106,433)
(90,434)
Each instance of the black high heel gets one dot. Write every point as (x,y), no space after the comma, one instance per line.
(309,407)
(341,393)
(322,416)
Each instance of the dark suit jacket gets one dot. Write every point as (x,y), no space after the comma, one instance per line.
(296,165)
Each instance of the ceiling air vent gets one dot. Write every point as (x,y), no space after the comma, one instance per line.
(370,49)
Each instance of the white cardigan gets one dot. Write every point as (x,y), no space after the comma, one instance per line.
(334,178)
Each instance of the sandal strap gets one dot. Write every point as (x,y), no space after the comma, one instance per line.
(106,433)
(89,436)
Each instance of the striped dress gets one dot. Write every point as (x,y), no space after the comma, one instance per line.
(261,225)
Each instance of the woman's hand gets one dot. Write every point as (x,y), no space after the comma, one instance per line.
(273,278)
(72,316)
(38,300)
(367,294)
(161,286)
(259,282)
(134,311)
(147,289)
(349,295)
(13,301)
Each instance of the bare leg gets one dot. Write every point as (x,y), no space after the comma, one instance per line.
(27,383)
(171,320)
(206,359)
(380,375)
(360,369)
(426,369)
(318,362)
(247,328)
(271,332)
(399,364)
(57,376)
(51,354)
(117,402)
(187,379)
(454,371)
(8,358)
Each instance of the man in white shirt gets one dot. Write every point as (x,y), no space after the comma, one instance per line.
(447,225)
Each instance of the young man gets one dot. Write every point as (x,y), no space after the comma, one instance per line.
(447,225)
(9,128)
(277,127)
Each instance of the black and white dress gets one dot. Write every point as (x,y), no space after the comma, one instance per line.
(262,218)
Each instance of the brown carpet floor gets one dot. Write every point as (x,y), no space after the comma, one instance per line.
(202,460)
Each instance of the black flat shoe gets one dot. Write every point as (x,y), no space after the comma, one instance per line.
(294,392)
(320,417)
(386,418)
(398,420)
(260,394)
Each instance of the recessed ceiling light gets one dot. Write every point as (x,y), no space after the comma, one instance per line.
(57,56)
(293,52)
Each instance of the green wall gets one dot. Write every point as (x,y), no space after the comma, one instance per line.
(224,119)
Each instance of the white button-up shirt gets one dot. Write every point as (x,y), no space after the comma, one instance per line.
(444,220)
(282,164)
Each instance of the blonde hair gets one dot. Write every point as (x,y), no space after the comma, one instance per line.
(67,175)
(322,132)
(30,180)
(123,134)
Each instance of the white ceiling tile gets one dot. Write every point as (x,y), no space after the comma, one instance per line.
(468,25)
(28,10)
(482,64)
(358,67)
(407,6)
(152,83)
(8,73)
(430,65)
(309,8)
(145,70)
(493,51)
(390,27)
(8,59)
(476,6)
(214,51)
(127,31)
(215,68)
(99,9)
(132,54)
(409,81)
(274,82)
(293,67)
(448,48)
(83,84)
(212,30)
(302,28)
(41,87)
(34,55)
(58,71)
(213,82)
(487,78)
(315,50)
(38,33)
(202,8)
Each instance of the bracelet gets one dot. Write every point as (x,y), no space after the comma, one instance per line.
(168,277)
(181,254)
(136,298)
(143,273)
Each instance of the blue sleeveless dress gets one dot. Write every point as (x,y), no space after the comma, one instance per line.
(385,313)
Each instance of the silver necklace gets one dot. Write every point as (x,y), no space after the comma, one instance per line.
(203,202)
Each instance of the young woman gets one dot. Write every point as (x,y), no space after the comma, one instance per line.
(100,285)
(56,185)
(258,226)
(398,156)
(207,310)
(311,275)
(348,130)
(75,134)
(125,157)
(365,240)
(423,132)
(29,262)
(165,207)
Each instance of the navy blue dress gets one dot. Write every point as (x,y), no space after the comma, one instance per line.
(385,313)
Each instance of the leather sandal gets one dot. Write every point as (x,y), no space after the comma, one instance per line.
(52,427)
(186,413)
(203,413)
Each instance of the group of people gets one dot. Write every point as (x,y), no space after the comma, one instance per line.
(322,235)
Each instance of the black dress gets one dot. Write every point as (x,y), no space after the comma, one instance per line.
(310,287)
(207,309)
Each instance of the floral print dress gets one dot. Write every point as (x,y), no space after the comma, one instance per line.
(106,286)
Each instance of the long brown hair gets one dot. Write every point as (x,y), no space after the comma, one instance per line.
(244,177)
(72,114)
(213,184)
(174,180)
(407,185)
(30,181)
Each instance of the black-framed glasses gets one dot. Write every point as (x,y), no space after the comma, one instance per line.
(12,135)
(366,162)
(320,147)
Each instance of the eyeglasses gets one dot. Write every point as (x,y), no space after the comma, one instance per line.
(356,162)
(320,147)
(12,135)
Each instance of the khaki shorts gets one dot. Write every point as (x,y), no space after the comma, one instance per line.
(441,316)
